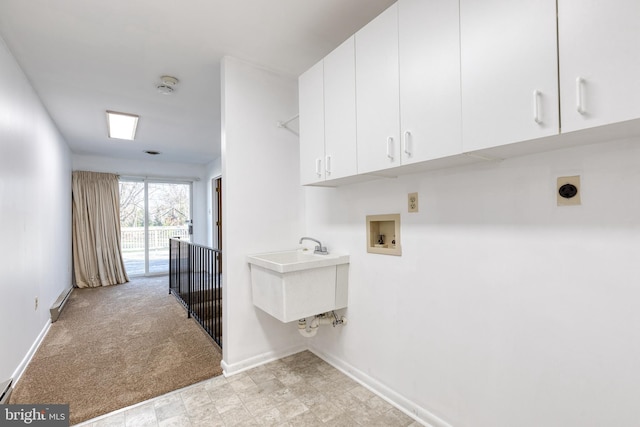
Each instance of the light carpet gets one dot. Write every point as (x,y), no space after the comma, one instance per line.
(115,346)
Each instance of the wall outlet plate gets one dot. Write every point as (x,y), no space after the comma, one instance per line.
(568,191)
(413,202)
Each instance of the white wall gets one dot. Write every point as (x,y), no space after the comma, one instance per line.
(262,204)
(157,169)
(504,309)
(35,215)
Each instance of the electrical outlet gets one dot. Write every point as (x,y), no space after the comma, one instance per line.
(568,191)
(413,202)
(36,304)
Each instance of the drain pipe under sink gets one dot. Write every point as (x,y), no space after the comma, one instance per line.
(328,318)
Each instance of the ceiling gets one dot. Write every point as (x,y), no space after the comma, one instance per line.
(85,57)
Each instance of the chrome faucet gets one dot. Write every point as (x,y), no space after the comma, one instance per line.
(320,250)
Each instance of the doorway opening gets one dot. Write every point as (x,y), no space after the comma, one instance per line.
(151,212)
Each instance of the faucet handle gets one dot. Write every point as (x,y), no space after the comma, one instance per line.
(321,250)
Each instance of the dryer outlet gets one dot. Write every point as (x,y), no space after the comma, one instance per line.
(568,191)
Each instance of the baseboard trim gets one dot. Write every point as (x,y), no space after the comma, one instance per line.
(252,362)
(405,405)
(27,358)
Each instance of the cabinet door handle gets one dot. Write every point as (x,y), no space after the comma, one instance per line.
(319,167)
(327,163)
(390,148)
(407,143)
(537,114)
(579,95)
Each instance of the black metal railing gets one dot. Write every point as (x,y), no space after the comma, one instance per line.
(194,279)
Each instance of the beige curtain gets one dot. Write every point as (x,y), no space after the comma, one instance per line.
(97,255)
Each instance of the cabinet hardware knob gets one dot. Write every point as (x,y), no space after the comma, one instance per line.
(580,96)
(537,114)
(407,143)
(390,148)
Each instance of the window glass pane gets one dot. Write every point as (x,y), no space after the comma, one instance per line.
(168,217)
(132,226)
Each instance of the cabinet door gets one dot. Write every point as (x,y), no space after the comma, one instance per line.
(311,109)
(599,62)
(429,46)
(340,111)
(377,93)
(509,71)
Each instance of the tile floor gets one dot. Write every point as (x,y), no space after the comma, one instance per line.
(299,390)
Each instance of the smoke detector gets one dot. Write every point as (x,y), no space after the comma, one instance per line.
(169,81)
(166,87)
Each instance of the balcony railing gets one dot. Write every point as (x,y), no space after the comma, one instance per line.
(194,279)
(132,238)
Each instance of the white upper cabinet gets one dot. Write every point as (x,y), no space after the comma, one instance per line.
(509,71)
(428,80)
(599,62)
(340,111)
(429,51)
(377,93)
(311,109)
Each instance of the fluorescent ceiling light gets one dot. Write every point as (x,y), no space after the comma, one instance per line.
(122,125)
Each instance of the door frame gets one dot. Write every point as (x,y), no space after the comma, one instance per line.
(216,217)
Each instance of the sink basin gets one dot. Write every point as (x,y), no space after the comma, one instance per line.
(287,261)
(291,285)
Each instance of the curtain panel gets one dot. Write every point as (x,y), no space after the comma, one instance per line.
(97,254)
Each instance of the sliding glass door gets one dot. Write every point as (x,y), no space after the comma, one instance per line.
(132,226)
(151,212)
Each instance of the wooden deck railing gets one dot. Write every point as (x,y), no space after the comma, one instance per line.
(132,238)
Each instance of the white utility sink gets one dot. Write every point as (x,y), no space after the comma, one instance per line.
(287,261)
(291,285)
